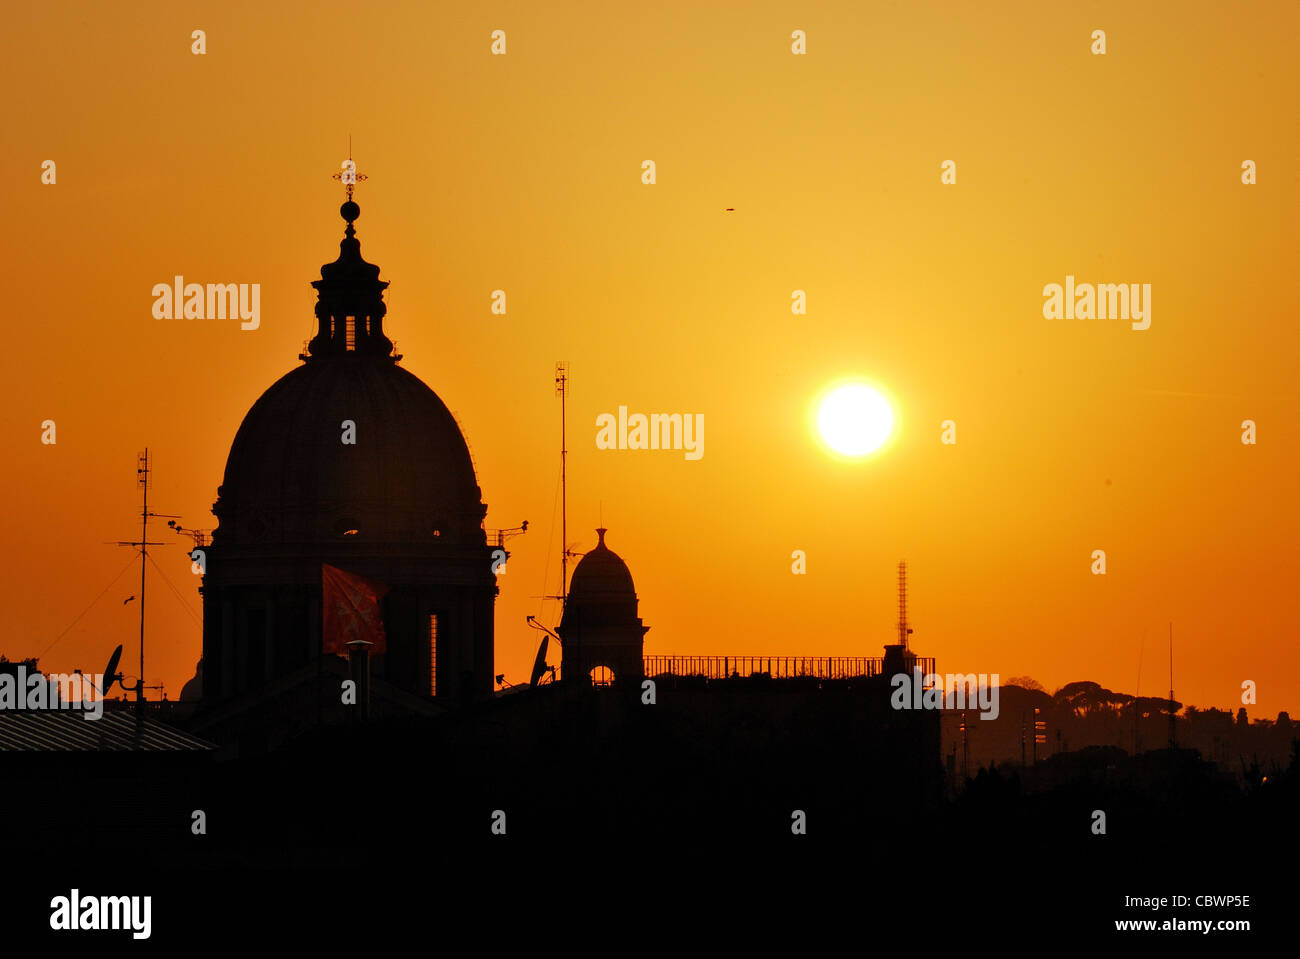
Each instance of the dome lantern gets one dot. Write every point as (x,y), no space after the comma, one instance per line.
(351,306)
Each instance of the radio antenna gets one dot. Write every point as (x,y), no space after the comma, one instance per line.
(1173,744)
(143,475)
(562,391)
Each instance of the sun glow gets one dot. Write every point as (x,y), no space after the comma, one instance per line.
(854,419)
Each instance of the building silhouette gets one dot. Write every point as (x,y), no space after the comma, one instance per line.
(352,461)
(714,768)
(600,627)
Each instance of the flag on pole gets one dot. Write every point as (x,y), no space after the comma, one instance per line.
(351,610)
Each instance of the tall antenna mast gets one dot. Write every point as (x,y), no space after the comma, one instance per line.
(1172,740)
(902,605)
(143,481)
(562,390)
(1137,712)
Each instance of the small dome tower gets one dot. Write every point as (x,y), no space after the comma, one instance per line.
(600,626)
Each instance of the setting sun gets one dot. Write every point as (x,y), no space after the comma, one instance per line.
(854,419)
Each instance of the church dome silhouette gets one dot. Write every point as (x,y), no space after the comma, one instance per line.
(290,477)
(348,461)
(600,626)
(601,578)
(406,475)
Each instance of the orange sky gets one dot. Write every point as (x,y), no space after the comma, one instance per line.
(522,173)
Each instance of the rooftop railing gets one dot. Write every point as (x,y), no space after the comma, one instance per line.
(778,667)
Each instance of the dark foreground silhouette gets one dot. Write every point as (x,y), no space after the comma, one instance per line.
(680,814)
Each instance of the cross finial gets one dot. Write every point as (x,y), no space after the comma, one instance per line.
(349,175)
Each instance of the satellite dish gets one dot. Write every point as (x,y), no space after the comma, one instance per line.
(539,664)
(110,671)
